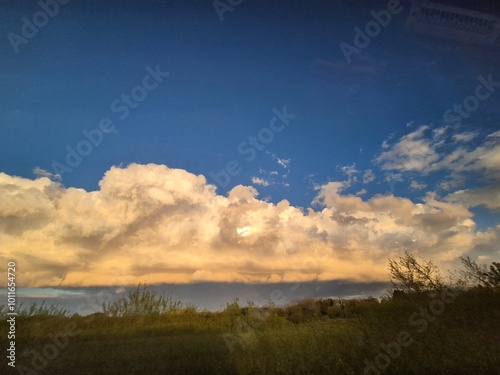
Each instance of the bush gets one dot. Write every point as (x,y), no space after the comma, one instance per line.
(43,309)
(141,302)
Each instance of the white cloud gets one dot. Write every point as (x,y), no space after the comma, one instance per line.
(260,181)
(270,178)
(452,182)
(487,196)
(284,162)
(350,171)
(439,132)
(368,176)
(464,137)
(157,224)
(361,192)
(415,152)
(417,186)
(393,177)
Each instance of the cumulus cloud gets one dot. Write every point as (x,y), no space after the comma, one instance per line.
(161,225)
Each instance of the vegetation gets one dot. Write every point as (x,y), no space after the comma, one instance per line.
(411,276)
(479,276)
(141,302)
(451,327)
(37,310)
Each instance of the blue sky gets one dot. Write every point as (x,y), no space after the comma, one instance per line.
(374,127)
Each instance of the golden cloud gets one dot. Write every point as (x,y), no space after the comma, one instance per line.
(150,223)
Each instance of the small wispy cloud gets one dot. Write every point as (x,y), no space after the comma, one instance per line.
(260,181)
(361,192)
(439,132)
(270,178)
(417,186)
(464,137)
(368,176)
(350,171)
(284,162)
(426,151)
(281,161)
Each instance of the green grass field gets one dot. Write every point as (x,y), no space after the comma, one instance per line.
(451,337)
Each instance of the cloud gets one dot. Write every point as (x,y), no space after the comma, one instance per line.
(260,181)
(452,182)
(155,224)
(464,137)
(39,172)
(392,178)
(417,152)
(350,171)
(284,162)
(417,186)
(438,133)
(487,196)
(361,192)
(368,176)
(413,152)
(270,178)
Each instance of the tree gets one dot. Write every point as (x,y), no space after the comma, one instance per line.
(472,275)
(493,276)
(479,276)
(411,276)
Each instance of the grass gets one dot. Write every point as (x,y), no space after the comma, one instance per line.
(300,339)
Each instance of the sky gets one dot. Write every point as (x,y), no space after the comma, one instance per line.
(218,149)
